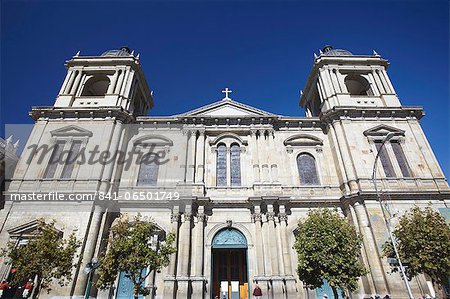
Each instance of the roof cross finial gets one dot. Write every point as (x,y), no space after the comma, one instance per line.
(226,91)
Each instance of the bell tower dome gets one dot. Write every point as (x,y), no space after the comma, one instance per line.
(113,79)
(340,78)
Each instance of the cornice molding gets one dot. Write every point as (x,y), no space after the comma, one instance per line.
(351,112)
(47,113)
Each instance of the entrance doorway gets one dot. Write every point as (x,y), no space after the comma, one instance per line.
(229,265)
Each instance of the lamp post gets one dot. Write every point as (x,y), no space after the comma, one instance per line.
(90,268)
(386,221)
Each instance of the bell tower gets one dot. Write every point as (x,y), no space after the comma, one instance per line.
(339,78)
(113,79)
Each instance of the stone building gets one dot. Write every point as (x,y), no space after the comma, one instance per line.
(232,181)
(8,162)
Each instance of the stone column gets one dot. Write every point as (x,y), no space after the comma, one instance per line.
(254,146)
(370,246)
(75,85)
(200,159)
(368,277)
(124,78)
(262,156)
(190,162)
(260,256)
(112,85)
(183,254)
(169,280)
(228,162)
(346,156)
(277,282)
(88,249)
(128,83)
(109,167)
(385,78)
(375,87)
(326,84)
(197,277)
(335,80)
(119,82)
(272,157)
(286,254)
(67,82)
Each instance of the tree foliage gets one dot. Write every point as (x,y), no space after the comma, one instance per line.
(46,255)
(130,251)
(423,243)
(328,248)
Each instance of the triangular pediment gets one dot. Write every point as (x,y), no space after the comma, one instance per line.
(227,108)
(27,230)
(383,130)
(71,130)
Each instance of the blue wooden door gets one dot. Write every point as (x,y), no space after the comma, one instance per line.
(125,287)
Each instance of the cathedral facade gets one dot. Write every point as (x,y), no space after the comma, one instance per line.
(230,180)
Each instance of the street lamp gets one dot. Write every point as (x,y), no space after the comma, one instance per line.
(89,269)
(388,224)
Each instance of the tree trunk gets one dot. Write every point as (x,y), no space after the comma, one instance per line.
(335,293)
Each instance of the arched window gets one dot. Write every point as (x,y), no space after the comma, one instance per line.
(221,165)
(307,169)
(148,170)
(235,165)
(96,86)
(357,85)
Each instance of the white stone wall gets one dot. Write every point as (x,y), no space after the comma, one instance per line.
(270,201)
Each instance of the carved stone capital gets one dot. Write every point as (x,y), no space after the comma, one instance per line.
(174,217)
(201,217)
(187,216)
(283,217)
(257,217)
(270,216)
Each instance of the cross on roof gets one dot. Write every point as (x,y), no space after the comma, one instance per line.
(226,91)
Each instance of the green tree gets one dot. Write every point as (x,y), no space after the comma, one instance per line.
(130,251)
(46,256)
(328,248)
(423,243)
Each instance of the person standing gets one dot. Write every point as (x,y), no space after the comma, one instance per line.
(4,285)
(27,288)
(257,292)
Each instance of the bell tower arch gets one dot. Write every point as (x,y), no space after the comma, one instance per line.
(113,79)
(340,78)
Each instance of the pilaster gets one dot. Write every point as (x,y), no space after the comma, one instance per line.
(379,280)
(169,280)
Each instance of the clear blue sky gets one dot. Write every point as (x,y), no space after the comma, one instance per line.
(263,51)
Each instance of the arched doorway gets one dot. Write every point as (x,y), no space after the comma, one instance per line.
(229,265)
